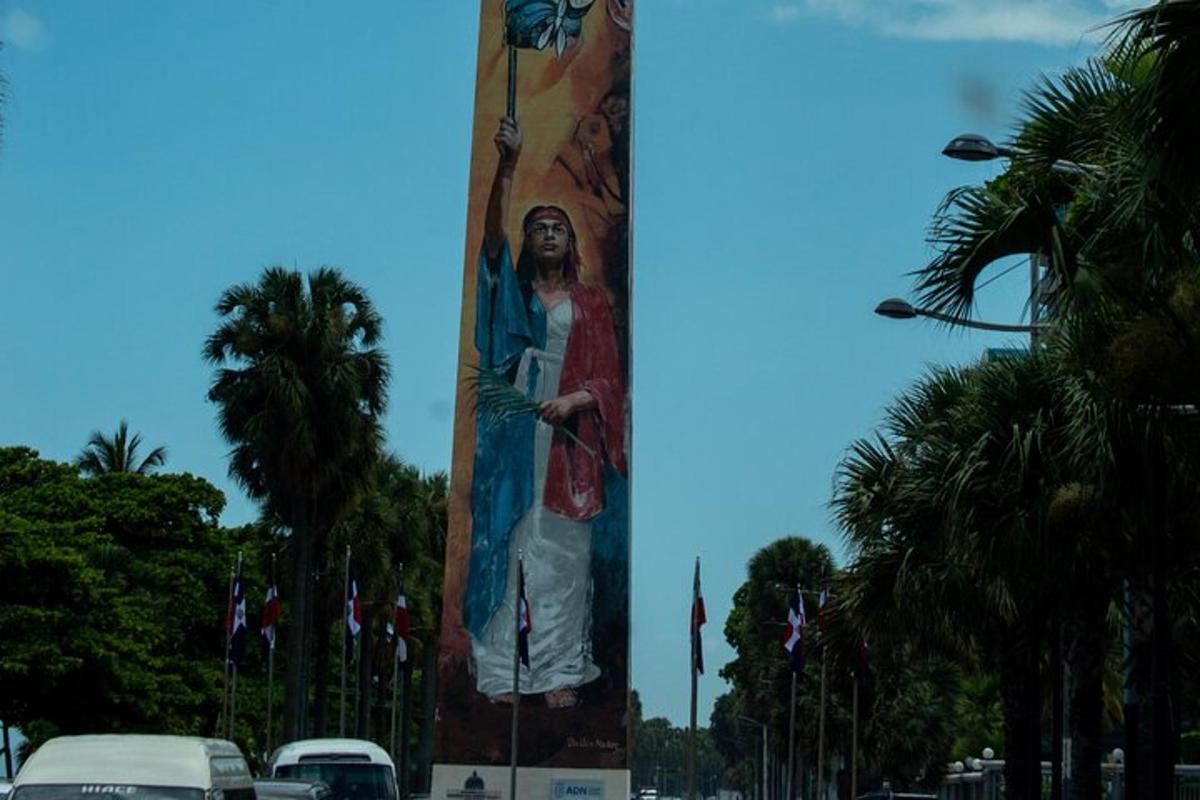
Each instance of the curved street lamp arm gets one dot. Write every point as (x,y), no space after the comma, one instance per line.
(983,326)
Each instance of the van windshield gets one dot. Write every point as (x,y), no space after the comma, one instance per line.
(104,791)
(348,781)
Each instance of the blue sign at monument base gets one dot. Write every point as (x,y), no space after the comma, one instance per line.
(464,782)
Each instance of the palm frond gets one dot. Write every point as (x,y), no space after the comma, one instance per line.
(1068,117)
(975,227)
(496,397)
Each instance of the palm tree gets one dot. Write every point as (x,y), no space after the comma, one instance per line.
(945,513)
(1120,236)
(118,453)
(301,386)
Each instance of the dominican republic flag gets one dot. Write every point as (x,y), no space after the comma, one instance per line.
(864,657)
(698,620)
(402,627)
(353,610)
(823,611)
(524,621)
(235,621)
(792,639)
(272,611)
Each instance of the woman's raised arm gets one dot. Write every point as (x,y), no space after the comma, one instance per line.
(508,143)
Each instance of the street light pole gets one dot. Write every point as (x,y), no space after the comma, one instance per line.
(763,725)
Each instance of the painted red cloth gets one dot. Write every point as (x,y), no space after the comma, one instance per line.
(574,477)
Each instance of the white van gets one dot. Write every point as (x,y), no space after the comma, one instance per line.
(354,769)
(134,767)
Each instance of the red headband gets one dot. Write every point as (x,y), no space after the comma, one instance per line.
(549,212)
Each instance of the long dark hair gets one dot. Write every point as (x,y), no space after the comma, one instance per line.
(527,263)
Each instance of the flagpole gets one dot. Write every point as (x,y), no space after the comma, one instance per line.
(691,754)
(233,664)
(765,763)
(821,732)
(225,660)
(271,666)
(516,690)
(345,644)
(395,677)
(510,105)
(232,703)
(791,763)
(854,741)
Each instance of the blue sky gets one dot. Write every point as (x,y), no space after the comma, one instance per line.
(786,167)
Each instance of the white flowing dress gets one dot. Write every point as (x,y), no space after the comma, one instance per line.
(557,553)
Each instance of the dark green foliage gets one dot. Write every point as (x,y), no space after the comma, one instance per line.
(112,598)
(660,756)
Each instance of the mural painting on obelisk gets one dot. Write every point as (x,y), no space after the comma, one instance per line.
(542,422)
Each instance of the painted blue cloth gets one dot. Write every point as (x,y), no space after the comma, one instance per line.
(506,323)
(536,23)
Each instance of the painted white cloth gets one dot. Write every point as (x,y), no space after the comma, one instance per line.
(558,553)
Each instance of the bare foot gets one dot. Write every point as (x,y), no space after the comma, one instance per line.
(562,698)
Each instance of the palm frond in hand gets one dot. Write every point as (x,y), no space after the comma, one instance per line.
(498,399)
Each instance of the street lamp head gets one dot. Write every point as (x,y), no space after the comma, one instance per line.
(973,147)
(896,308)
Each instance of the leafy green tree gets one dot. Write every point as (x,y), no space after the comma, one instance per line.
(301,386)
(112,599)
(118,453)
(660,758)
(761,673)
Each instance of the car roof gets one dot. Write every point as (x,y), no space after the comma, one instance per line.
(135,759)
(315,749)
(290,787)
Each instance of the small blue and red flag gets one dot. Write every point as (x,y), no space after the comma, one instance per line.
(524,621)
(235,620)
(793,640)
(699,617)
(353,610)
(402,628)
(272,611)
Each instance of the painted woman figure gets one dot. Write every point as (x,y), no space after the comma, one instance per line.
(539,479)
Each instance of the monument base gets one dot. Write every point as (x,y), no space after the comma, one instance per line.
(463,782)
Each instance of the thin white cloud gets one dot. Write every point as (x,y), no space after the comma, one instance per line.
(22,30)
(1051,22)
